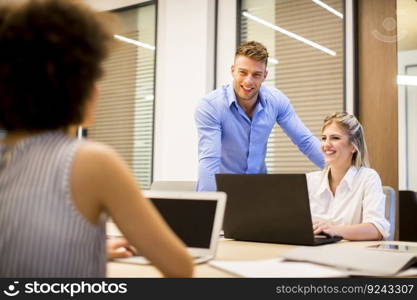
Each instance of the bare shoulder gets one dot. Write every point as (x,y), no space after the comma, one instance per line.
(91,150)
(95,164)
(97,177)
(96,155)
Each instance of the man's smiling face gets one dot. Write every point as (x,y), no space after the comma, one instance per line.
(248,75)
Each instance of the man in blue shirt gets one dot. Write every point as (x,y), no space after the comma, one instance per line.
(235,121)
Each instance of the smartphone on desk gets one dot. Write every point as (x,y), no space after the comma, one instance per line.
(394,247)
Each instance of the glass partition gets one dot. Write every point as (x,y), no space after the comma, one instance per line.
(305,40)
(407,92)
(124,113)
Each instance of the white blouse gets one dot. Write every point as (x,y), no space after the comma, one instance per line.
(359,198)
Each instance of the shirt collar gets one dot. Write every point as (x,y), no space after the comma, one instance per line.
(350,174)
(231,96)
(348,179)
(324,185)
(261,96)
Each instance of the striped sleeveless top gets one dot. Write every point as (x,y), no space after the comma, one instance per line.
(42,234)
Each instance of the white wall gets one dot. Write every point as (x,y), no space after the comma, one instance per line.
(226,40)
(406,173)
(184,74)
(349,58)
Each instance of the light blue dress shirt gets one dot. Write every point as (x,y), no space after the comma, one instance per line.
(230,142)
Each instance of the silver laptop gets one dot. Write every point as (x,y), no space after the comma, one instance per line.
(195,217)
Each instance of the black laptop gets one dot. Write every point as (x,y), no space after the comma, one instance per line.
(271,208)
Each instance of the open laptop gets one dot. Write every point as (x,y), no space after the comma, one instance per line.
(195,217)
(272,208)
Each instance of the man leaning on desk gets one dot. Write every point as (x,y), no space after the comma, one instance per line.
(235,121)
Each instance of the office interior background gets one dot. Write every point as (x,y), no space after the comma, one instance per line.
(331,55)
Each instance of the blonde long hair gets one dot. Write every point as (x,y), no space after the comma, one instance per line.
(356,136)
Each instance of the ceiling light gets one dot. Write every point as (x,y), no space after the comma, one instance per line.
(290,34)
(329,8)
(134,42)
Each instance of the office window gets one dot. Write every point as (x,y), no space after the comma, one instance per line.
(305,40)
(406,31)
(124,113)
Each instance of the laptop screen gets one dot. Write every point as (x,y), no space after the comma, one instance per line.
(192,220)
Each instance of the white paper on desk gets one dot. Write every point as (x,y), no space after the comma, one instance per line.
(411,272)
(359,261)
(276,268)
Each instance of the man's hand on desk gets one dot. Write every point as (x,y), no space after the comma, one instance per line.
(322,226)
(119,248)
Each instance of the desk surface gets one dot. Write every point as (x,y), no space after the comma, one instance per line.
(230,250)
(227,250)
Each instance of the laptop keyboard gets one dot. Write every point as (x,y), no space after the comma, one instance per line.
(326,239)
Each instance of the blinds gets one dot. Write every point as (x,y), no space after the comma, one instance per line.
(124,112)
(312,80)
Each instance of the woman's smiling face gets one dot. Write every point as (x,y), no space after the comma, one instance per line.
(336,146)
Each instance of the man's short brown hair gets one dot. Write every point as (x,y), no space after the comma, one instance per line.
(253,50)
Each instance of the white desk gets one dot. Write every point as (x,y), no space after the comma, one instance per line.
(227,250)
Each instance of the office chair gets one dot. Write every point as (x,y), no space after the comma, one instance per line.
(174,186)
(390,210)
(408,216)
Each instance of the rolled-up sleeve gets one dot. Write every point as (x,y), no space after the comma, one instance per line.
(374,204)
(209,145)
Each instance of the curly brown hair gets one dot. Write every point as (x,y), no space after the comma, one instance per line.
(51,53)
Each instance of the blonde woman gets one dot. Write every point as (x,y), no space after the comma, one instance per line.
(346,198)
